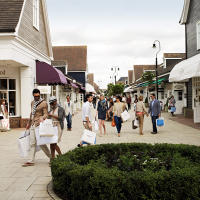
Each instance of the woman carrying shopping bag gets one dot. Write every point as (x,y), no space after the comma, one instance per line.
(118,109)
(140,112)
(172,106)
(4,120)
(57,114)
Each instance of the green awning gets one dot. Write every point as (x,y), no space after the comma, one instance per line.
(151,82)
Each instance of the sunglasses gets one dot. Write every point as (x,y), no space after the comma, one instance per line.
(36,96)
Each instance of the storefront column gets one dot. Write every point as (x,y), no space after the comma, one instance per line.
(27,86)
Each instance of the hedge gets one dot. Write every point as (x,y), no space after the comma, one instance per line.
(128,171)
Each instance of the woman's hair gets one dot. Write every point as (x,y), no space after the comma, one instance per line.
(1,101)
(140,98)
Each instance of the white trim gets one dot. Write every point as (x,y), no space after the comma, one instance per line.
(185,12)
(36,14)
(198,34)
(77,71)
(20,18)
(7,34)
(179,58)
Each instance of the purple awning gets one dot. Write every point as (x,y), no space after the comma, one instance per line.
(46,74)
(74,85)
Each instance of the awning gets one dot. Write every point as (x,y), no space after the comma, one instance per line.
(128,89)
(73,85)
(151,83)
(90,88)
(186,69)
(46,74)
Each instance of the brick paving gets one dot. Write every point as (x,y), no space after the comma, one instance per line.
(17,183)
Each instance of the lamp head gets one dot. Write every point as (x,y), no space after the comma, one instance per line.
(154,45)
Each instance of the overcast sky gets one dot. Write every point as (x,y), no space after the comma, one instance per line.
(117,32)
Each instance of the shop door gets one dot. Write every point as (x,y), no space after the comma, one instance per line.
(179,101)
(196,99)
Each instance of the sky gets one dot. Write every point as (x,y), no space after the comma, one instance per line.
(117,32)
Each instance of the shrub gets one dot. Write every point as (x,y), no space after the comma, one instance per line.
(128,171)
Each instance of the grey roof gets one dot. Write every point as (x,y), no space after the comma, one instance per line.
(9,14)
(123,79)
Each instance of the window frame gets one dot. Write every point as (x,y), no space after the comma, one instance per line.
(36,14)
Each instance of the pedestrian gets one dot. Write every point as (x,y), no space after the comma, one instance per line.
(154,110)
(128,101)
(39,112)
(3,115)
(172,106)
(110,109)
(69,111)
(57,114)
(118,109)
(86,115)
(135,102)
(94,101)
(140,112)
(102,108)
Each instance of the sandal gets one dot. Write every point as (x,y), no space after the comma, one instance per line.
(27,164)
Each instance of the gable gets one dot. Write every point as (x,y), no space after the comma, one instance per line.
(38,39)
(9,14)
(184,15)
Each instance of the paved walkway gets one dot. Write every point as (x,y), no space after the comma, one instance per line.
(17,183)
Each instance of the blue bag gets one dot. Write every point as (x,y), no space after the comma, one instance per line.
(173,109)
(160,122)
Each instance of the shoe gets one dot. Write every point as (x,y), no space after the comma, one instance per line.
(118,134)
(153,133)
(78,145)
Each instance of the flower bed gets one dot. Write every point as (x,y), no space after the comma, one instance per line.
(128,171)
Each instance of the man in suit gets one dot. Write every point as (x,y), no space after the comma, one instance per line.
(154,111)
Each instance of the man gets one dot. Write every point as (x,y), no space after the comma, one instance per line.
(39,112)
(86,114)
(69,111)
(128,101)
(154,111)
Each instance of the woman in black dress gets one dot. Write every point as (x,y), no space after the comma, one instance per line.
(102,108)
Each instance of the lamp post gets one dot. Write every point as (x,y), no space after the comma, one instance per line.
(159,48)
(115,70)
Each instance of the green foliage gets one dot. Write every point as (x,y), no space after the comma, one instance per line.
(115,89)
(128,171)
(148,76)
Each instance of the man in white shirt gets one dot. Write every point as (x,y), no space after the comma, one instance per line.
(69,111)
(86,114)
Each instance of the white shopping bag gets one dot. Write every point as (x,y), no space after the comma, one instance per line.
(5,125)
(96,125)
(88,137)
(65,123)
(125,116)
(136,122)
(24,144)
(41,140)
(46,128)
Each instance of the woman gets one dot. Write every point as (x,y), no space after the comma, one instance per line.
(57,114)
(140,112)
(172,106)
(110,110)
(118,109)
(102,108)
(3,114)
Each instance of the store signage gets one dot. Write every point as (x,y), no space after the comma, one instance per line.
(179,87)
(44,89)
(2,72)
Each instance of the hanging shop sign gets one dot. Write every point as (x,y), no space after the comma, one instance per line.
(45,89)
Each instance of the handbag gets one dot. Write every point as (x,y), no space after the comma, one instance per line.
(160,121)
(173,109)
(24,144)
(46,128)
(133,125)
(5,124)
(113,124)
(96,125)
(125,116)
(88,136)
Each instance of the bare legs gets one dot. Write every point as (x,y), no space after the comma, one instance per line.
(54,148)
(101,123)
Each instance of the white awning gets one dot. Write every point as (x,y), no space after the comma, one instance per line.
(128,89)
(89,88)
(186,69)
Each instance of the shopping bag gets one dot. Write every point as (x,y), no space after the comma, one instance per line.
(88,137)
(125,116)
(65,123)
(96,125)
(46,128)
(173,109)
(113,124)
(41,140)
(5,125)
(160,121)
(133,125)
(24,144)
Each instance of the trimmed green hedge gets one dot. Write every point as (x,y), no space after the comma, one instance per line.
(128,171)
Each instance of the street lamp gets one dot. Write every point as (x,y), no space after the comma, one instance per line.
(159,48)
(115,70)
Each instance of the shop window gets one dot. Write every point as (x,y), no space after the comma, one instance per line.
(180,96)
(162,95)
(8,92)
(3,84)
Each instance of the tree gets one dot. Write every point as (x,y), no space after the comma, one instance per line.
(148,76)
(114,89)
